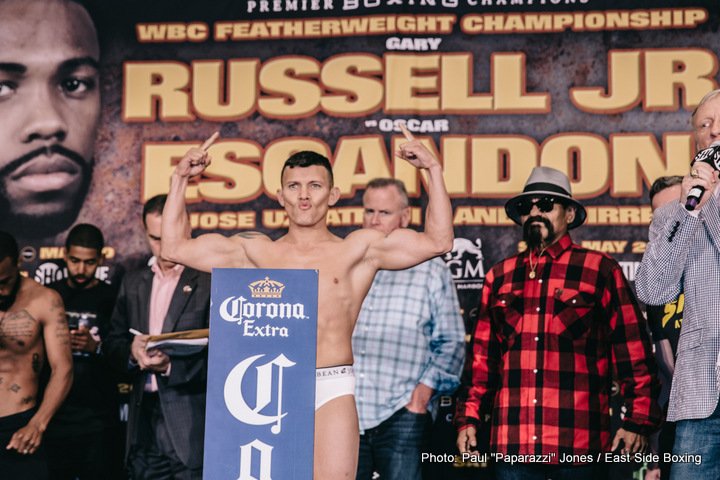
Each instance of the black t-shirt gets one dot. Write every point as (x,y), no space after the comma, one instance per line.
(91,404)
(665,321)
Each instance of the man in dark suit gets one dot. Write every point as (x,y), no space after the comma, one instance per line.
(167,405)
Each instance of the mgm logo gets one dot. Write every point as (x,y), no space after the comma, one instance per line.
(465,262)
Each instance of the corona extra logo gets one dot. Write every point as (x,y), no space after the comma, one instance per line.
(237,309)
(266,288)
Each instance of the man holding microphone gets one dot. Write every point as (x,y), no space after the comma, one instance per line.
(683,255)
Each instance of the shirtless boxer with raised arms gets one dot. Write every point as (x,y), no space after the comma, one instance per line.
(347,267)
(32,327)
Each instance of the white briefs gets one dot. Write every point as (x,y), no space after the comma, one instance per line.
(333,382)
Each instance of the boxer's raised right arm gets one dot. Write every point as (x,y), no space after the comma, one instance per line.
(206,251)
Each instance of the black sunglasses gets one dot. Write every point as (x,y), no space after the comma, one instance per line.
(544,204)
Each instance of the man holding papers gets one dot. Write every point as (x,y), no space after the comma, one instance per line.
(167,405)
(178,344)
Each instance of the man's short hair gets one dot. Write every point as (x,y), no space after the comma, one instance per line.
(155,205)
(85,235)
(708,96)
(662,183)
(8,247)
(307,158)
(384,182)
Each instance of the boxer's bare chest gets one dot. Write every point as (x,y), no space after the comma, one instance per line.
(19,332)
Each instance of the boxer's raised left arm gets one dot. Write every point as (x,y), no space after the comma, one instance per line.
(404,247)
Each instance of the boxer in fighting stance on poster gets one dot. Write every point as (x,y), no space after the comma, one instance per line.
(346,266)
(33,327)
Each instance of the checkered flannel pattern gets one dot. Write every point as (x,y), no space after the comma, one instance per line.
(543,354)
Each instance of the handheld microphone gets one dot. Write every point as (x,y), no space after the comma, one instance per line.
(711,156)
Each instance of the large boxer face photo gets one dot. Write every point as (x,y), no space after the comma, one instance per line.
(49,113)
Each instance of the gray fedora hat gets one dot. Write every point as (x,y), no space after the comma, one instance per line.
(551,182)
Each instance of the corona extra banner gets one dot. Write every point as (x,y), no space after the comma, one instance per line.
(261,375)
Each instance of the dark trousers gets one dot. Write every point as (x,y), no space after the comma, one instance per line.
(154,457)
(393,448)
(14,464)
(84,457)
(666,441)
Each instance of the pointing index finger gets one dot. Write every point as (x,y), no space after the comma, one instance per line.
(208,143)
(408,136)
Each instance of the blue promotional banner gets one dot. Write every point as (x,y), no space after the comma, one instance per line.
(261,375)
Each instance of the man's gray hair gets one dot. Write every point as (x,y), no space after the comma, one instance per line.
(708,96)
(387,182)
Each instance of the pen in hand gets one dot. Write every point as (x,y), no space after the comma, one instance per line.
(152,351)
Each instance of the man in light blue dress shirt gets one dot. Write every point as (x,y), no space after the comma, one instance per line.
(409,347)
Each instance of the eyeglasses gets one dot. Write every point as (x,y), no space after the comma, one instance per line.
(544,204)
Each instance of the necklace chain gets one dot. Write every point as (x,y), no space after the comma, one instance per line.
(532,274)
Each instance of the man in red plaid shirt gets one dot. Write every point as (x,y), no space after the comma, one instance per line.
(554,321)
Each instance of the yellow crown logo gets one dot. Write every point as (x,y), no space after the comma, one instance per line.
(266,288)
